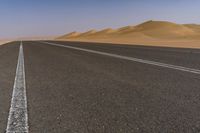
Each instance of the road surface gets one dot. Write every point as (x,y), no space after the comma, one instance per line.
(73,87)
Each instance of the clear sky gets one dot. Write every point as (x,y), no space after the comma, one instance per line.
(23,18)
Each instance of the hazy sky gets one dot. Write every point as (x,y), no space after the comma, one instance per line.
(20,18)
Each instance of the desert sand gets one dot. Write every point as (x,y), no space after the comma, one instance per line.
(153,33)
(4,42)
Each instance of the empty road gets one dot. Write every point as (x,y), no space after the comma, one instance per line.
(76,87)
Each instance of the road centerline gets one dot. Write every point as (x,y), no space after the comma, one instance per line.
(170,66)
(18,114)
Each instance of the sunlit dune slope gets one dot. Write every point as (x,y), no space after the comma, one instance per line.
(87,34)
(4,42)
(194,27)
(159,29)
(152,32)
(70,35)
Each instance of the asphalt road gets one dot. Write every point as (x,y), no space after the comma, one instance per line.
(73,91)
(8,63)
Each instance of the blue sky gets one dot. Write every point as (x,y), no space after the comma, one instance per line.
(23,18)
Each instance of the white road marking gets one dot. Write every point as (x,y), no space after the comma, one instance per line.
(18,116)
(176,67)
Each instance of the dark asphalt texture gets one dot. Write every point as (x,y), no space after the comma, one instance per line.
(8,64)
(176,56)
(72,91)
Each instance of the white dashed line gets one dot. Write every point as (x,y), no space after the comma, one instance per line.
(18,116)
(176,67)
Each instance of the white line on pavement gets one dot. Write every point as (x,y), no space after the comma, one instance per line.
(176,67)
(18,116)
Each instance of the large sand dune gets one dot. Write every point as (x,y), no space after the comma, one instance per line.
(160,33)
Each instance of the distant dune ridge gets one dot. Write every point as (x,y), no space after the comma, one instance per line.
(150,33)
(4,42)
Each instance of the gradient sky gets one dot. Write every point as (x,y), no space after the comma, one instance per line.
(24,18)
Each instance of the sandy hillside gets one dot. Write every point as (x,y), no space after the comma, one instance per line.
(159,33)
(3,42)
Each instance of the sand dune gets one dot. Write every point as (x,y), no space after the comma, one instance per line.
(160,33)
(87,34)
(194,27)
(4,42)
(125,29)
(162,30)
(105,31)
(70,35)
